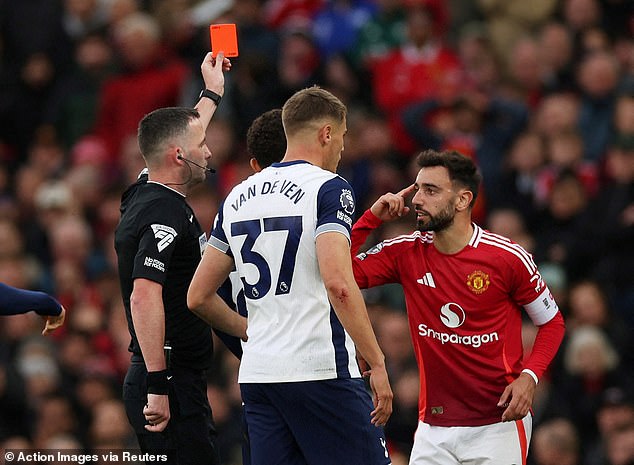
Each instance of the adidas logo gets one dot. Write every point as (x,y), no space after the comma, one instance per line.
(164,234)
(427,280)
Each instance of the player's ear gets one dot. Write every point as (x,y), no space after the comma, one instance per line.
(465,197)
(324,134)
(255,166)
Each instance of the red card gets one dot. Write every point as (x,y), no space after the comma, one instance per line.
(224,38)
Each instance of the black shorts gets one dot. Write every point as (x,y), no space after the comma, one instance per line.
(189,438)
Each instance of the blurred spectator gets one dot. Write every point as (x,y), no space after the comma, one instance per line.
(620,446)
(109,428)
(14,404)
(509,222)
(603,246)
(53,201)
(340,78)
(508,20)
(35,50)
(46,155)
(120,9)
(593,39)
(336,25)
(555,442)
(556,228)
(11,243)
(227,419)
(598,78)
(591,365)
(54,416)
(588,305)
(624,52)
(16,442)
(36,363)
(557,279)
(393,336)
(556,113)
(565,153)
(62,441)
(480,127)
(624,117)
(556,57)
(252,85)
(381,34)
(368,162)
(402,425)
(82,17)
(422,68)
(131,160)
(482,65)
(71,242)
(23,109)
(290,14)
(581,14)
(150,74)
(228,154)
(615,413)
(525,72)
(520,170)
(299,63)
(72,106)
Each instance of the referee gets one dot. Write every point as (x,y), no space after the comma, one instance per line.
(159,243)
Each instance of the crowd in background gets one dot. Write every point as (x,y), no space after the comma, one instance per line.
(540,93)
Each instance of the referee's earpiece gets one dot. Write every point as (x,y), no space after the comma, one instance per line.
(180,156)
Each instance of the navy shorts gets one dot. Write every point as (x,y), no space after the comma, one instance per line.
(312,423)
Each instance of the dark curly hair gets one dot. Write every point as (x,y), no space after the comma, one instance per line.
(266,141)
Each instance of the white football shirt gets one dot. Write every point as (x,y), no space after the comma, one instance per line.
(269,224)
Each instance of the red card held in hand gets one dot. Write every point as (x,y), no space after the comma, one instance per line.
(224,38)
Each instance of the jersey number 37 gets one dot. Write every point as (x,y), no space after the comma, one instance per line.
(252,229)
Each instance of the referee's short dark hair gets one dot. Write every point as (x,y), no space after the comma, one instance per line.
(266,141)
(161,127)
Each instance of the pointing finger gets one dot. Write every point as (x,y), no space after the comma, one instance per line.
(407,191)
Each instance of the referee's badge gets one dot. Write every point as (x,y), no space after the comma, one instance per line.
(164,234)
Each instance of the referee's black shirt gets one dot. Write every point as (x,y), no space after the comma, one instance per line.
(159,238)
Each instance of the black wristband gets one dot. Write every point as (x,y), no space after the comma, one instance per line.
(157,382)
(210,94)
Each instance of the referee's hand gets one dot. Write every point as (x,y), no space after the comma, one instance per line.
(157,412)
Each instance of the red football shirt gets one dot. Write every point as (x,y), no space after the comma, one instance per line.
(465,319)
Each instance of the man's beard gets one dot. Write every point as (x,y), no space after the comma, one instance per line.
(437,223)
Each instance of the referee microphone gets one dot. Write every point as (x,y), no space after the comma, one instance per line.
(187,160)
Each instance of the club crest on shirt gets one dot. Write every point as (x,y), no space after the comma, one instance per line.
(347,201)
(478,281)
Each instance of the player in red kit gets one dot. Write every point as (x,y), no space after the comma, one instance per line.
(465,289)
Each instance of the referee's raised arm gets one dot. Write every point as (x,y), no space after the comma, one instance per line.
(212,70)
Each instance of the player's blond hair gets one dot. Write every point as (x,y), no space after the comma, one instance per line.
(309,105)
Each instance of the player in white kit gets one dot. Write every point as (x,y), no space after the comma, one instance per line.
(287,230)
